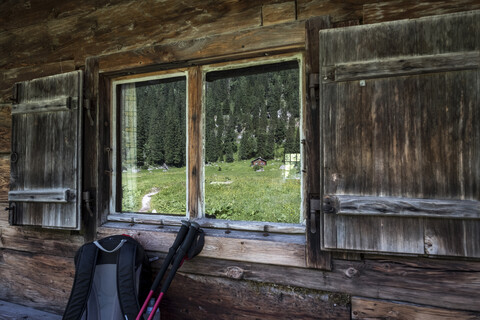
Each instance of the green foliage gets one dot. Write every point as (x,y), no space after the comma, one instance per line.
(236,192)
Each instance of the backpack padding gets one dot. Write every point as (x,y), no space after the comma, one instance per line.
(126,284)
(86,260)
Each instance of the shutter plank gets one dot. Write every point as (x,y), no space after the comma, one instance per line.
(452,237)
(401,140)
(46,140)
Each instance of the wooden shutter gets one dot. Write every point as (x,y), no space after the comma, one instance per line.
(46,152)
(400,141)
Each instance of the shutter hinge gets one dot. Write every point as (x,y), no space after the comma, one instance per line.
(313,84)
(109,170)
(16,89)
(315,205)
(87,198)
(87,105)
(11,213)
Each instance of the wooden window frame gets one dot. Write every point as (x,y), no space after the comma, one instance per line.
(195,147)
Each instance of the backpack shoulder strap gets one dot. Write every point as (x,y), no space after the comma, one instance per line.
(126,280)
(85,262)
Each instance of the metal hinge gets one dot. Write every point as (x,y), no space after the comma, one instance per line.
(313,84)
(315,206)
(87,105)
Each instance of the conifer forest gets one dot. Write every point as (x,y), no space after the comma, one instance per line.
(246,115)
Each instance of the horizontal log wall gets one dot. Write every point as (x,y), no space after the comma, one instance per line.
(49,37)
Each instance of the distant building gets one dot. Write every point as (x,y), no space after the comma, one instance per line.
(258,162)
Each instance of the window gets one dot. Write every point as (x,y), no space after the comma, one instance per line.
(151,145)
(252,125)
(249,162)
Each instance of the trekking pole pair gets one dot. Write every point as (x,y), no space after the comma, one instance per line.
(188,243)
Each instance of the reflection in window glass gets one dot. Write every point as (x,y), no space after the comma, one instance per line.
(252,144)
(153,151)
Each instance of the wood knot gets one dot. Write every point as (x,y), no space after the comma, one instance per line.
(234,272)
(351,272)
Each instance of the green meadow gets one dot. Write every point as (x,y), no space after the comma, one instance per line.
(233,191)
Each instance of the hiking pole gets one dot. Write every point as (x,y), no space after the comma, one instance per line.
(186,248)
(171,253)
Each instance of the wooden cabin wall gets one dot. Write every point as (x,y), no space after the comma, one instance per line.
(40,38)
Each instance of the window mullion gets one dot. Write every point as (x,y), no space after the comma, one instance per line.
(195,144)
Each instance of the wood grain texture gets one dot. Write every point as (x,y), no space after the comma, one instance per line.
(234,300)
(237,44)
(30,240)
(404,66)
(272,250)
(402,135)
(441,283)
(311,120)
(44,281)
(5,128)
(12,311)
(371,309)
(195,168)
(46,147)
(401,207)
(77,36)
(452,237)
(403,9)
(4,176)
(90,140)
(336,9)
(373,233)
(23,73)
(278,13)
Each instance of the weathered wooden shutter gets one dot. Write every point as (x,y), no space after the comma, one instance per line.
(400,141)
(46,152)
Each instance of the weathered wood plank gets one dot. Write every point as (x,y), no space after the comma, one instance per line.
(4,176)
(374,152)
(71,36)
(337,10)
(209,223)
(371,309)
(57,104)
(311,119)
(90,156)
(240,248)
(401,66)
(5,128)
(24,73)
(42,280)
(229,299)
(12,311)
(452,237)
(195,145)
(42,195)
(278,13)
(288,36)
(377,234)
(55,243)
(401,207)
(403,9)
(441,283)
(46,148)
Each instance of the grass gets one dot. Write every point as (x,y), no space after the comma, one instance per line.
(233,191)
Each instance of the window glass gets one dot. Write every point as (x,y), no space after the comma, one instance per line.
(252,143)
(153,146)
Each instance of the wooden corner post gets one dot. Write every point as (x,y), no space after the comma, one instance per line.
(315,258)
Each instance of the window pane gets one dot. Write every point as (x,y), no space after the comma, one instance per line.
(252,144)
(153,150)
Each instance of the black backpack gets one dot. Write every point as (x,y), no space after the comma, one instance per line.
(111,276)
